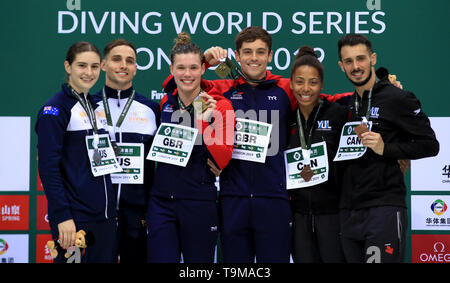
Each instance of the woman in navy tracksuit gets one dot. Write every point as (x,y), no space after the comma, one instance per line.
(76,199)
(315,208)
(182,213)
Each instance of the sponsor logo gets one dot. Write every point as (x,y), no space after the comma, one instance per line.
(100,114)
(237,95)
(42,252)
(446,172)
(134,117)
(3,246)
(168,108)
(388,249)
(14,212)
(439,207)
(324,125)
(374,112)
(430,248)
(429,212)
(157,95)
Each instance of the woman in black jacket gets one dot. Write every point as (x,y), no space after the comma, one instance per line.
(311,177)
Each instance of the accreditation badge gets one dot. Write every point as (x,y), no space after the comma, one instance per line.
(251,140)
(173,144)
(350,144)
(101,155)
(131,159)
(294,161)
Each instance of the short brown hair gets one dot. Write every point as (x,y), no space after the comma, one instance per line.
(353,39)
(118,42)
(251,34)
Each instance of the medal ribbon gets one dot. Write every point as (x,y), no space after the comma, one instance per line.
(307,146)
(369,103)
(86,104)
(122,114)
(239,72)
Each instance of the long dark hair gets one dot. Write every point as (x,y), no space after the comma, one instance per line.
(353,39)
(118,42)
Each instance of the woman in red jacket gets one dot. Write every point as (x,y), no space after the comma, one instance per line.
(183,213)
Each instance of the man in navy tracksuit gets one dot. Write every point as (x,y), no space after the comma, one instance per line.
(138,126)
(256,216)
(70,187)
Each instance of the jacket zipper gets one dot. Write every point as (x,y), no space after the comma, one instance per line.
(106,197)
(119,189)
(399,227)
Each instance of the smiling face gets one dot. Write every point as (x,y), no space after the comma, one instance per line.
(187,69)
(120,67)
(358,63)
(306,85)
(84,71)
(254,57)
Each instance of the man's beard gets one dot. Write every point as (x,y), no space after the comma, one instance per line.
(360,83)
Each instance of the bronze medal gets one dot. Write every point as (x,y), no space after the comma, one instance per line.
(361,129)
(307,173)
(223,70)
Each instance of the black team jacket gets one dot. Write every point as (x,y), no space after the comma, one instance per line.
(396,114)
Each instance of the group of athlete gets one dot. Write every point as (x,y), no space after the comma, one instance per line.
(295,196)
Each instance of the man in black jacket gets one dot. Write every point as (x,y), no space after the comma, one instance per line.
(373,201)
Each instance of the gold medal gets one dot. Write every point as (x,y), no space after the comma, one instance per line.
(223,70)
(199,105)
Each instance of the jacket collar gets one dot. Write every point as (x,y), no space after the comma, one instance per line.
(113,93)
(382,80)
(269,79)
(68,91)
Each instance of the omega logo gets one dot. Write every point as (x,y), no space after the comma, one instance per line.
(441,245)
(438,255)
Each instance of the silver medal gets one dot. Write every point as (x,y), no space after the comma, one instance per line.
(97,157)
